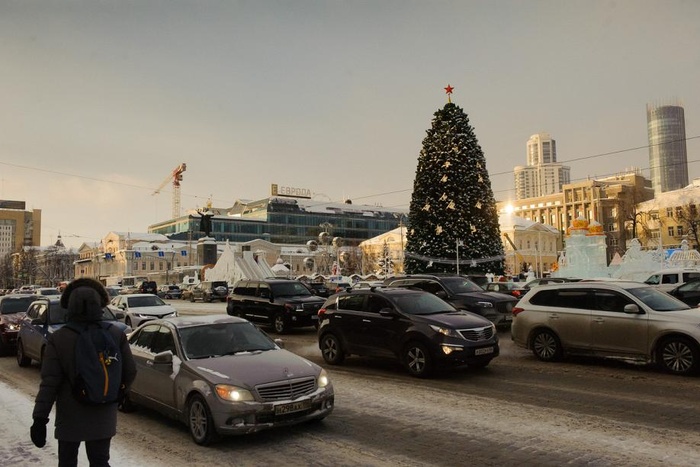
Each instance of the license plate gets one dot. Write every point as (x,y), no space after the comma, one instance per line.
(483,351)
(292,407)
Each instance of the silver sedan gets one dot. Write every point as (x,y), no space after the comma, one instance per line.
(221,375)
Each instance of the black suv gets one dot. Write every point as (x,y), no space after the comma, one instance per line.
(463,294)
(148,287)
(208,291)
(280,303)
(419,329)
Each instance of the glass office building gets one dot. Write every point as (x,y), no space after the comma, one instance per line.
(286,220)
(668,159)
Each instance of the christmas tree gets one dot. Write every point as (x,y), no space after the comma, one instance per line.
(453,222)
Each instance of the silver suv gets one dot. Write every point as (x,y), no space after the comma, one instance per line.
(624,320)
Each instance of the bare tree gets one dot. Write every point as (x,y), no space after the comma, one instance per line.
(688,216)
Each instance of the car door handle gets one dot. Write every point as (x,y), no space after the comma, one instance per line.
(149,362)
(553,316)
(364,320)
(599,320)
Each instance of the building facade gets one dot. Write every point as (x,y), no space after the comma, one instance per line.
(543,175)
(285,220)
(609,201)
(18,226)
(668,158)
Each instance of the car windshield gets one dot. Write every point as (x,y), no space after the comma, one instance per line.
(422,304)
(458,285)
(57,315)
(218,339)
(658,300)
(15,305)
(150,300)
(289,289)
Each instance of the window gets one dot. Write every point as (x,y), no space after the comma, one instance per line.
(146,336)
(351,302)
(605,300)
(375,303)
(669,212)
(679,230)
(670,231)
(162,341)
(264,290)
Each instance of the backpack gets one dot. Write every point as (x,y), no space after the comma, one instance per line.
(98,364)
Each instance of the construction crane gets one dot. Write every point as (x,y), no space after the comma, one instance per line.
(176,177)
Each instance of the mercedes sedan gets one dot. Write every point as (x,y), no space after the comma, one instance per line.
(220,375)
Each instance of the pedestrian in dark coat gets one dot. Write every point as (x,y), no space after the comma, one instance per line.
(76,422)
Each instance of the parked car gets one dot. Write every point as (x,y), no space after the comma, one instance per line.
(515,289)
(318,288)
(44,317)
(138,308)
(463,294)
(169,291)
(280,303)
(620,319)
(367,284)
(669,279)
(113,291)
(208,291)
(186,292)
(548,280)
(688,293)
(12,310)
(148,287)
(220,375)
(47,292)
(417,328)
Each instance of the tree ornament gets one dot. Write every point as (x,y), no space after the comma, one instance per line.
(446,164)
(443,197)
(438,229)
(426,207)
(443,179)
(448,91)
(478,205)
(451,205)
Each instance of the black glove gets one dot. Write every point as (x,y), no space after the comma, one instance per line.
(38,432)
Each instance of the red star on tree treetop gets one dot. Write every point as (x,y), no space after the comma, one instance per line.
(448,91)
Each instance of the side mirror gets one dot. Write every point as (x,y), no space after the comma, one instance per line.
(386,312)
(441,294)
(280,343)
(119,315)
(632,309)
(163,357)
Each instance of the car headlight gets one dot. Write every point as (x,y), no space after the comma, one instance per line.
(323,380)
(13,327)
(233,393)
(484,304)
(445,331)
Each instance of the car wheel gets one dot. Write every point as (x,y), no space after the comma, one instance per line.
(546,346)
(678,355)
(22,360)
(280,324)
(418,360)
(332,350)
(200,422)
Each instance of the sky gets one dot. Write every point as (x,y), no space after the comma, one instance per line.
(101,100)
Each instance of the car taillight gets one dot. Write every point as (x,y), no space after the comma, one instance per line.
(321,313)
(517,310)
(516,293)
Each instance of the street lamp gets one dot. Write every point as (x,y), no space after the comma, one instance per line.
(459,244)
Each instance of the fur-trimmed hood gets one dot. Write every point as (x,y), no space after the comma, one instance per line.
(84,299)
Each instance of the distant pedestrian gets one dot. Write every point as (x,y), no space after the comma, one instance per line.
(76,421)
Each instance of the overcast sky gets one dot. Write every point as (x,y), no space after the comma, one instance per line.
(101,100)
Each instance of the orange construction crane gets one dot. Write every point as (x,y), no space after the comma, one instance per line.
(176,177)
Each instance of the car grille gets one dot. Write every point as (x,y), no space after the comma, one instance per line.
(288,389)
(477,334)
(505,307)
(312,307)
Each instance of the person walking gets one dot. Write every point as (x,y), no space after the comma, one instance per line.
(78,422)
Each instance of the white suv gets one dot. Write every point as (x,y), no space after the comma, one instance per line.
(669,279)
(624,320)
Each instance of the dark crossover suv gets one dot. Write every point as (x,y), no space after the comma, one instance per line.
(463,294)
(280,303)
(419,329)
(12,310)
(209,291)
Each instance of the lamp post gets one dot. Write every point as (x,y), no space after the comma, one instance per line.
(459,244)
